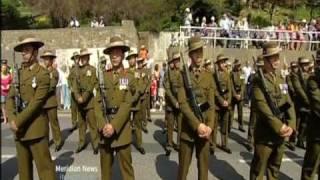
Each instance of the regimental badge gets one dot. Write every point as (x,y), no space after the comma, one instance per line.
(143,75)
(34,82)
(284,88)
(89,73)
(123,83)
(136,75)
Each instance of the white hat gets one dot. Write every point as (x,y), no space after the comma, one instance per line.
(212,18)
(187,10)
(304,20)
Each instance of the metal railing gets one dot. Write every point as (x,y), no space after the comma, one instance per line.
(214,35)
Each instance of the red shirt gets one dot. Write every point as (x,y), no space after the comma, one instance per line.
(5,84)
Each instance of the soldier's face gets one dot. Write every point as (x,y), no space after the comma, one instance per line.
(171,65)
(47,61)
(116,56)
(196,56)
(84,60)
(132,61)
(274,61)
(305,67)
(77,60)
(295,69)
(28,53)
(222,65)
(176,63)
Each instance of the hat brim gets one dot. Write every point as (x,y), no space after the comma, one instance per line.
(52,56)
(277,52)
(222,59)
(85,54)
(196,47)
(36,44)
(130,55)
(124,48)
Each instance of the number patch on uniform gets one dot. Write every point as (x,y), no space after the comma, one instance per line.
(89,73)
(34,82)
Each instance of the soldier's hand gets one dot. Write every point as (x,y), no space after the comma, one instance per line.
(108,131)
(238,97)
(208,134)
(284,130)
(177,106)
(80,99)
(13,126)
(288,133)
(202,130)
(225,104)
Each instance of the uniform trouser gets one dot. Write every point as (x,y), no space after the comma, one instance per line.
(52,115)
(293,136)
(37,150)
(252,124)
(266,158)
(123,154)
(137,120)
(87,116)
(185,157)
(74,111)
(311,161)
(172,117)
(239,105)
(303,126)
(222,116)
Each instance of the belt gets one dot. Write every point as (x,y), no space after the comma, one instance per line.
(112,110)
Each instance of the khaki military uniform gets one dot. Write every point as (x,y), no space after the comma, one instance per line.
(312,155)
(136,109)
(51,107)
(224,93)
(173,114)
(74,106)
(299,83)
(119,87)
(237,81)
(32,122)
(269,145)
(87,83)
(252,119)
(203,89)
(145,76)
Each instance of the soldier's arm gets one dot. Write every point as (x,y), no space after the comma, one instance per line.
(211,111)
(53,81)
(123,114)
(40,96)
(69,79)
(167,87)
(98,111)
(233,90)
(10,104)
(136,93)
(262,108)
(220,99)
(192,120)
(230,87)
(314,94)
(88,93)
(299,89)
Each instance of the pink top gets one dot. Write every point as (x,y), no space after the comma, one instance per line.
(153,88)
(5,84)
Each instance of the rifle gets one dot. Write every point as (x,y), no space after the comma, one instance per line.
(188,86)
(16,83)
(279,112)
(102,91)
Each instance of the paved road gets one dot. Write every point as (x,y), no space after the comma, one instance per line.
(152,166)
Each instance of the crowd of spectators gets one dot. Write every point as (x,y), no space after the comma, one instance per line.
(237,32)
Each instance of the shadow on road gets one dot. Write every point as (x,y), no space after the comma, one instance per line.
(64,160)
(297,159)
(9,169)
(223,170)
(160,123)
(166,168)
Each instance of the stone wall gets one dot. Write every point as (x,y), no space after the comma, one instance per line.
(69,38)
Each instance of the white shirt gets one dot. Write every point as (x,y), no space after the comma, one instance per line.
(247,71)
